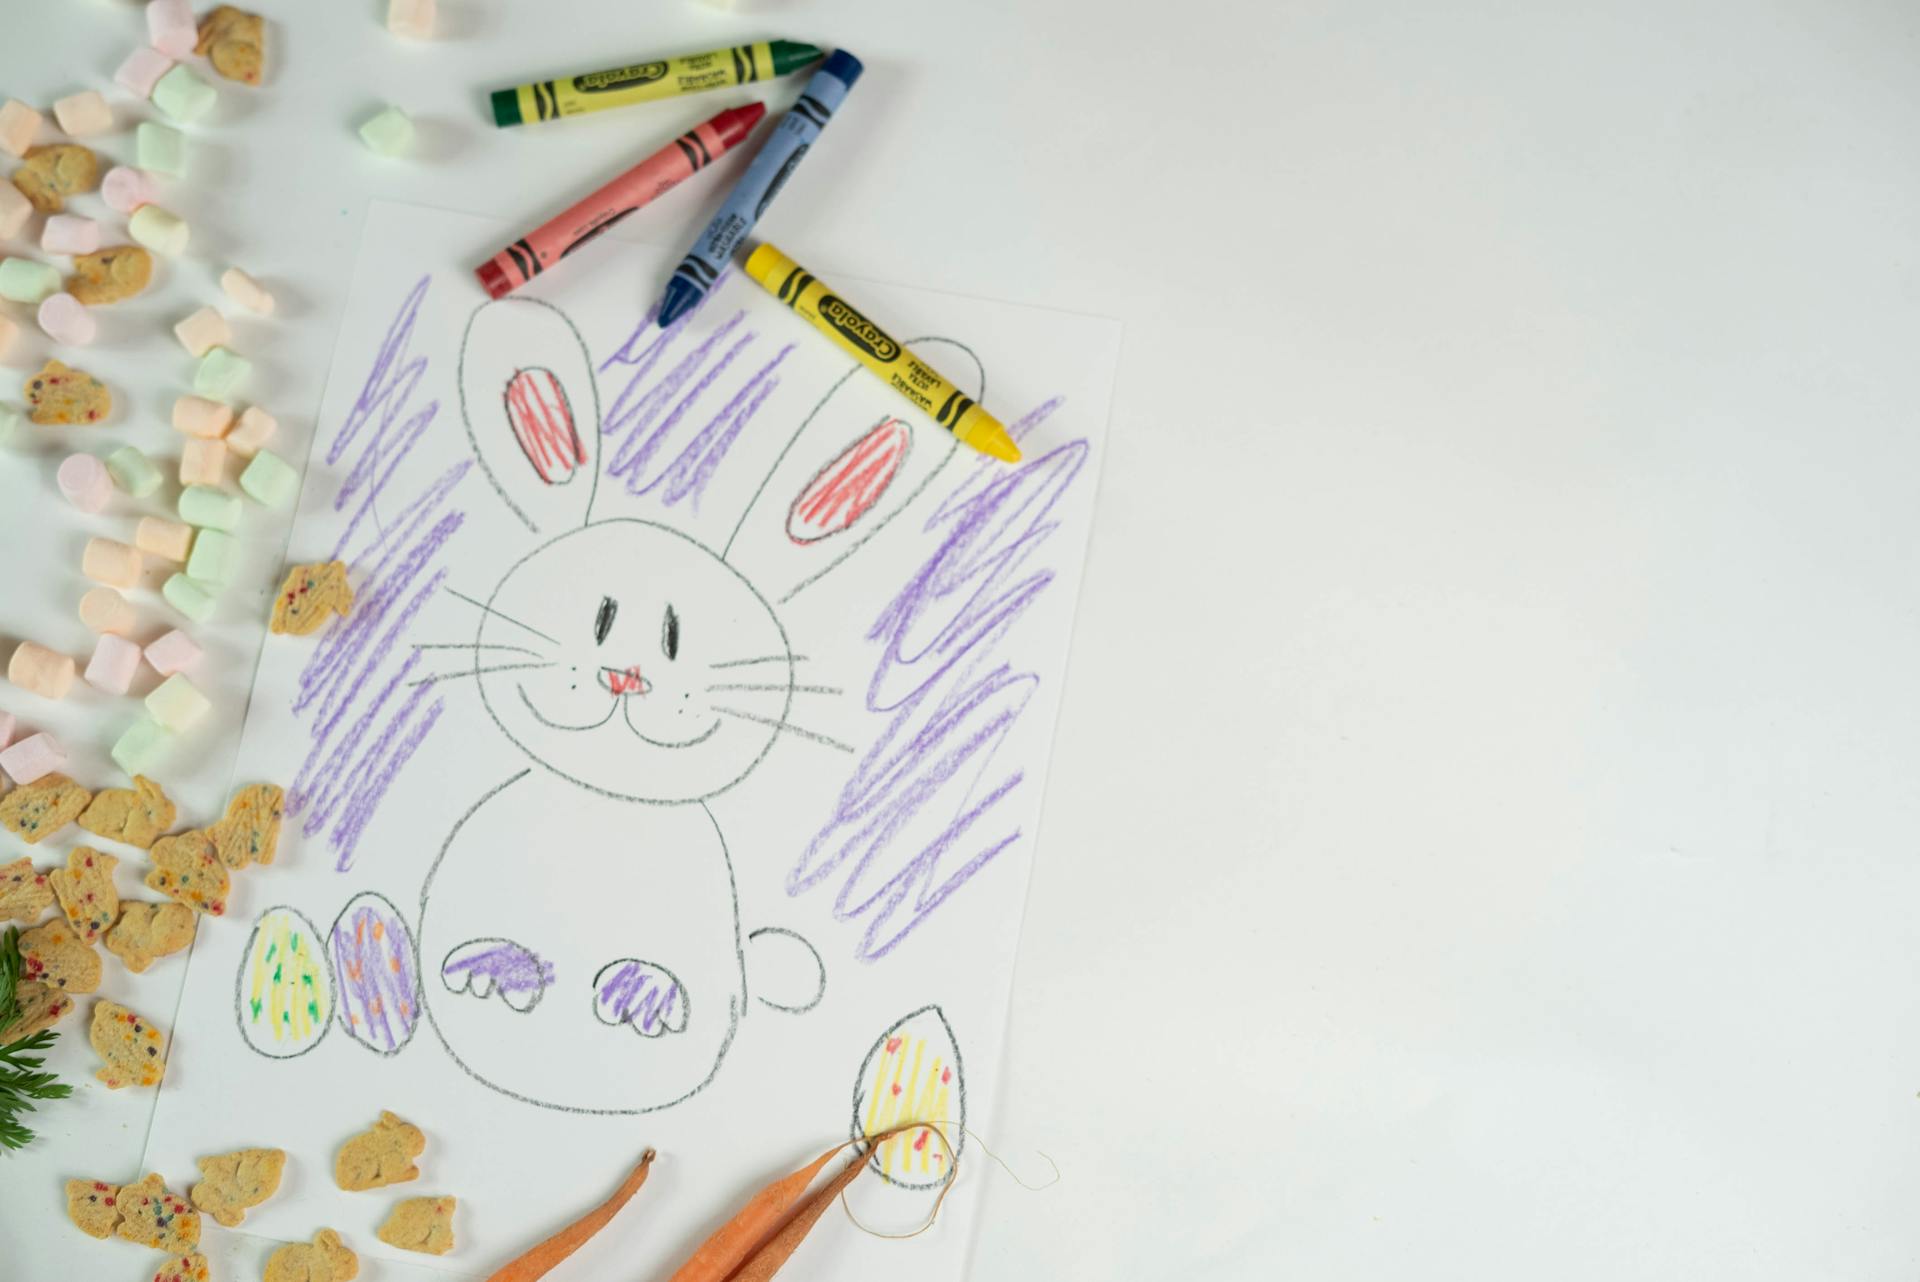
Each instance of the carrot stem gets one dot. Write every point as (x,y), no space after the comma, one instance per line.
(536,1263)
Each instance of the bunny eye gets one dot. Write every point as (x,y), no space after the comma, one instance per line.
(670,633)
(603,619)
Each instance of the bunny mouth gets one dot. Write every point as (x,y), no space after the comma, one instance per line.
(626,715)
(550,723)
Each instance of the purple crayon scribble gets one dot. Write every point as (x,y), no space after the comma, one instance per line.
(373,965)
(951,700)
(362,732)
(642,994)
(496,965)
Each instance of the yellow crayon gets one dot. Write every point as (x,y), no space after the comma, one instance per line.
(648,81)
(867,343)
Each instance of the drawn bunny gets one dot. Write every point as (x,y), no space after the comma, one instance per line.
(642,674)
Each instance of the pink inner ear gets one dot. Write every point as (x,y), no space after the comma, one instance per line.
(846,489)
(542,421)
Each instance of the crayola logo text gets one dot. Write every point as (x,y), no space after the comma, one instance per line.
(621,78)
(857,329)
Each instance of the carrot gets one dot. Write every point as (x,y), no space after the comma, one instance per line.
(766,1262)
(537,1262)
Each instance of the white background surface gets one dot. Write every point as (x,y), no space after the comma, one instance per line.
(1479,837)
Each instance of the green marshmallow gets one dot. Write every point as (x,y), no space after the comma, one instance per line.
(177,703)
(10,421)
(160,150)
(389,133)
(212,559)
(140,748)
(25,281)
(182,96)
(190,598)
(209,508)
(270,479)
(133,471)
(221,374)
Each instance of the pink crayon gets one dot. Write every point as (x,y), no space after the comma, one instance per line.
(659,173)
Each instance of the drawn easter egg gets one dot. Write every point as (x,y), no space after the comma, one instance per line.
(913,1074)
(847,488)
(285,990)
(373,964)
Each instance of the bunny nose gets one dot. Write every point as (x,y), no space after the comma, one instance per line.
(625,680)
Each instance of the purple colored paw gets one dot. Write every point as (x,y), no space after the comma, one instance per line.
(484,967)
(647,997)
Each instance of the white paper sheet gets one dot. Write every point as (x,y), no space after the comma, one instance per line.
(638,898)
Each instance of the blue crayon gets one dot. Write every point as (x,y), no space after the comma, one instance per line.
(779,156)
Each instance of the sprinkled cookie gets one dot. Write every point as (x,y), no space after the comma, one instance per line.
(94,1207)
(251,831)
(85,890)
(235,42)
(61,396)
(183,1268)
(41,1007)
(187,867)
(52,173)
(232,1182)
(154,1217)
(133,1050)
(110,275)
(56,956)
(423,1224)
(147,932)
(25,895)
(381,1156)
(308,596)
(325,1259)
(43,807)
(136,815)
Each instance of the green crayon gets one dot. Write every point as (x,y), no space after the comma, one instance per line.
(650,81)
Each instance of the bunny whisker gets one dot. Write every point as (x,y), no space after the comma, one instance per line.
(778,688)
(475,645)
(482,605)
(787,727)
(765,658)
(478,672)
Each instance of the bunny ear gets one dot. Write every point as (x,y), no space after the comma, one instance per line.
(860,457)
(532,410)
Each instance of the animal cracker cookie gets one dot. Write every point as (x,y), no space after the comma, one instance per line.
(136,815)
(235,42)
(52,173)
(308,596)
(232,1182)
(54,955)
(43,807)
(24,893)
(380,1156)
(183,1268)
(132,1047)
(325,1259)
(85,890)
(251,831)
(147,932)
(422,1224)
(93,1207)
(154,1217)
(61,396)
(41,1007)
(110,275)
(187,867)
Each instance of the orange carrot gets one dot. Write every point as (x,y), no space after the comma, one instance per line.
(537,1262)
(766,1262)
(733,1241)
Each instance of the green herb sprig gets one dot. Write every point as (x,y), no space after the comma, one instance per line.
(23,1084)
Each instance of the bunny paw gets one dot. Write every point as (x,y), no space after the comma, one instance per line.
(484,967)
(648,998)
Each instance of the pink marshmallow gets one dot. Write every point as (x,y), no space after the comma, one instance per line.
(70,234)
(115,660)
(66,320)
(174,652)
(170,27)
(83,114)
(84,480)
(6,728)
(33,757)
(126,189)
(15,209)
(142,71)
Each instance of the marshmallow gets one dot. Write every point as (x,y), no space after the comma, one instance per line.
(6,728)
(198,416)
(208,508)
(168,540)
(174,652)
(246,291)
(139,750)
(202,462)
(158,230)
(23,280)
(170,27)
(83,114)
(15,209)
(33,757)
(214,554)
(115,660)
(105,610)
(159,149)
(125,189)
(84,482)
(411,18)
(221,373)
(65,319)
(201,332)
(270,480)
(177,704)
(42,671)
(133,471)
(251,433)
(182,96)
(389,133)
(188,597)
(10,421)
(70,234)
(8,332)
(142,70)
(111,562)
(18,124)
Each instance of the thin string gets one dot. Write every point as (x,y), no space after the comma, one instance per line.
(953,1172)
